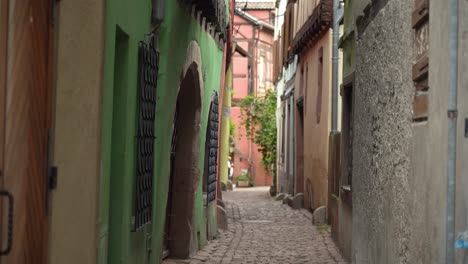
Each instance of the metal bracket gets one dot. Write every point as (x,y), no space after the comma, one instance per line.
(52,178)
(452,114)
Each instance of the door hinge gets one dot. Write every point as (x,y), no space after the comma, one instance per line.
(51,171)
(52,178)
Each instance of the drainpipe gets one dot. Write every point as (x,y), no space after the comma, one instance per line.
(452,131)
(337,14)
(225,117)
(291,138)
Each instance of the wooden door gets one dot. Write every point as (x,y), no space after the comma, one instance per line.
(25,39)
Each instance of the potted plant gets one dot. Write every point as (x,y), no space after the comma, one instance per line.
(244,180)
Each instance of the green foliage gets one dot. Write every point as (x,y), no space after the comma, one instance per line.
(244,177)
(323,228)
(259,118)
(232,127)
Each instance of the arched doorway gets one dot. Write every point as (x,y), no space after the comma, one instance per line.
(182,240)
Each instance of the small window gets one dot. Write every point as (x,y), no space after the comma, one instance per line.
(318,111)
(306,87)
(211,152)
(421,60)
(148,61)
(302,80)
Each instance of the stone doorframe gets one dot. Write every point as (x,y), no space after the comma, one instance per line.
(183,240)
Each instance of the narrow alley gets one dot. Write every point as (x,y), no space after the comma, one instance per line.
(261,230)
(233,131)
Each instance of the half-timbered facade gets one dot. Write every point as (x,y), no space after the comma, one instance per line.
(252,74)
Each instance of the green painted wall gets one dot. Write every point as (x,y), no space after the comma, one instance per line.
(347,41)
(127,22)
(177,31)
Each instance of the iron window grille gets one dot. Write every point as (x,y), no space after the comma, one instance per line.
(148,66)
(212,148)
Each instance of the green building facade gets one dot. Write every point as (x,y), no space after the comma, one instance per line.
(190,69)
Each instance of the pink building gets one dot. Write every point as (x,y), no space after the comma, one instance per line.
(252,74)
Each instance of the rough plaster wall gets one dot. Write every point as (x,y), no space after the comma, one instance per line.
(73,224)
(382,137)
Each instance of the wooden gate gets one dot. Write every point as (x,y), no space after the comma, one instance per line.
(25,99)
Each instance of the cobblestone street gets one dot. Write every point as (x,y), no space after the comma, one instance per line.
(265,231)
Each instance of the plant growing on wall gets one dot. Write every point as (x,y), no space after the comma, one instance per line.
(232,127)
(258,115)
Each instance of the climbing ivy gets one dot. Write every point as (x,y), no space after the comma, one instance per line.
(258,115)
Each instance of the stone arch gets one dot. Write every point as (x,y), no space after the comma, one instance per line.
(193,63)
(185,174)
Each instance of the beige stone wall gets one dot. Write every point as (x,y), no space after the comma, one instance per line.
(430,139)
(399,202)
(79,71)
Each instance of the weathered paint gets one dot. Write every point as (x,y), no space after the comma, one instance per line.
(316,120)
(172,47)
(225,114)
(347,41)
(178,30)
(126,25)
(73,209)
(429,146)
(280,87)
(347,44)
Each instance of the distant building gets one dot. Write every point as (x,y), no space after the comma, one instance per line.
(252,74)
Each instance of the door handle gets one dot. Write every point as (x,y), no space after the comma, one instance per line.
(10,223)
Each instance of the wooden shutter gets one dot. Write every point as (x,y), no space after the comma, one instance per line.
(420,21)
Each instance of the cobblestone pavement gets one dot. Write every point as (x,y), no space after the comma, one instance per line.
(265,231)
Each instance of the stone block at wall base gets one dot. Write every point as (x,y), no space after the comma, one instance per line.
(280,197)
(221,218)
(272,190)
(221,203)
(285,199)
(319,216)
(223,186)
(229,186)
(296,201)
